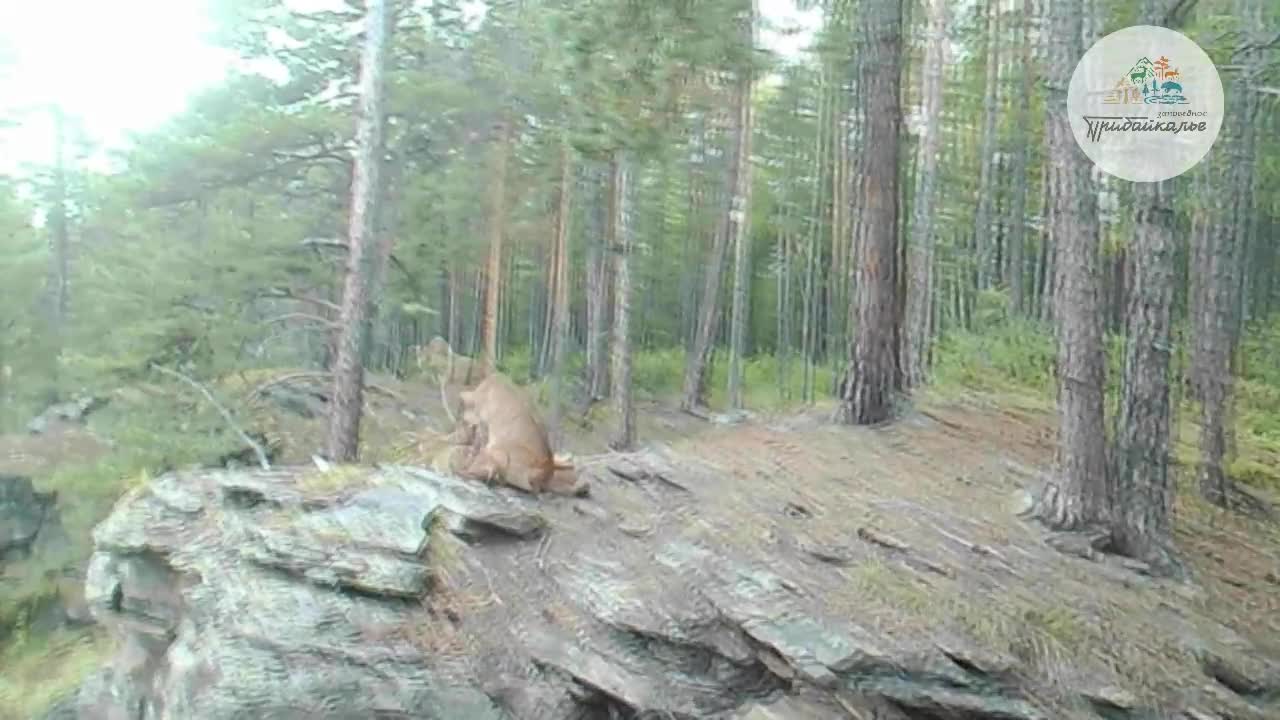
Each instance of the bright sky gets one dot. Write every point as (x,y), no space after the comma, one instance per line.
(127,65)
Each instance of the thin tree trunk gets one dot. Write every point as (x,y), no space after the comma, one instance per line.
(1213,345)
(348,374)
(1048,247)
(782,343)
(620,245)
(873,371)
(740,221)
(693,237)
(920,259)
(497,231)
(696,368)
(1078,494)
(986,191)
(454,336)
(559,338)
(383,223)
(1219,242)
(811,292)
(1022,139)
(597,298)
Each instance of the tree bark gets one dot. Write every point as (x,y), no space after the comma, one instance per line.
(597,299)
(1144,490)
(1078,494)
(986,190)
(348,373)
(620,246)
(920,258)
(693,394)
(497,231)
(872,373)
(559,338)
(1021,160)
(1215,250)
(740,222)
(1219,242)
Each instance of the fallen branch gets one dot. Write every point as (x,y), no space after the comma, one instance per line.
(226,415)
(287,294)
(301,316)
(973,547)
(312,375)
(883,540)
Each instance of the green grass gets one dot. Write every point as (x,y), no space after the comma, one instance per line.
(1017,359)
(39,671)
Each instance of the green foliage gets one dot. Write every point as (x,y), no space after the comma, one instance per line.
(40,671)
(658,372)
(518,364)
(1012,356)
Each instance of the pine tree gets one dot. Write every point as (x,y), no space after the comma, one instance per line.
(1078,494)
(872,374)
(348,372)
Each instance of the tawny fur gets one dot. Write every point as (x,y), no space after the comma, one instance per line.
(501,438)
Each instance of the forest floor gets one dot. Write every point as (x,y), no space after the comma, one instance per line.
(935,492)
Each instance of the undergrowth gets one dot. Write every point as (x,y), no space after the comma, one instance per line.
(1017,358)
(39,671)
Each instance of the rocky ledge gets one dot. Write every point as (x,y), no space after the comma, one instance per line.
(394,592)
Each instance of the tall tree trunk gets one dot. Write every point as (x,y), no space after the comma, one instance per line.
(872,373)
(920,259)
(1144,492)
(782,343)
(454,334)
(734,216)
(446,320)
(559,335)
(986,182)
(1078,494)
(348,374)
(497,231)
(620,246)
(1048,245)
(1143,488)
(384,223)
(693,235)
(809,290)
(1220,241)
(1212,365)
(740,221)
(598,296)
(1022,139)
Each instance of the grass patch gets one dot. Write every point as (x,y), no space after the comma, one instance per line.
(41,670)
(1053,640)
(336,479)
(1017,357)
(1014,362)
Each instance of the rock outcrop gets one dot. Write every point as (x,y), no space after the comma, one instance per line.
(399,593)
(70,411)
(29,521)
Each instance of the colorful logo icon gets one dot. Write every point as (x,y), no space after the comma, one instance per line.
(1145,103)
